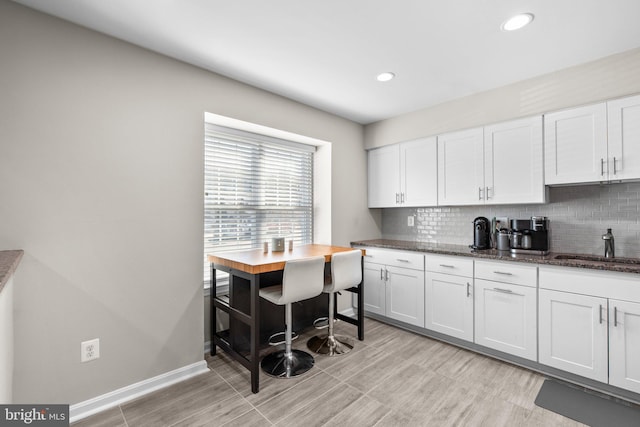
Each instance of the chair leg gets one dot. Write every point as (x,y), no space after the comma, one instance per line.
(330,344)
(287,363)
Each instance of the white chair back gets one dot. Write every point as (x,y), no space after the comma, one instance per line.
(346,270)
(302,279)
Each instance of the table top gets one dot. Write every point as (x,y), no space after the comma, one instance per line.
(255,261)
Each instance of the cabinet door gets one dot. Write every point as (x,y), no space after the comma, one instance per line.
(419,172)
(575,145)
(384,177)
(461,168)
(573,333)
(624,345)
(505,318)
(405,295)
(374,288)
(449,305)
(513,162)
(624,138)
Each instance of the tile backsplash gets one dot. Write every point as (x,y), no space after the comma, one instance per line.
(579,216)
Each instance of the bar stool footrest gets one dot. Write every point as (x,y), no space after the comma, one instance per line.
(321,323)
(281,335)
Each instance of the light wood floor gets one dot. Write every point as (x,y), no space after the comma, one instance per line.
(392,378)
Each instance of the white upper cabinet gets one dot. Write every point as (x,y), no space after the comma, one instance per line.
(576,145)
(497,164)
(461,167)
(419,172)
(594,143)
(384,176)
(624,138)
(513,162)
(404,174)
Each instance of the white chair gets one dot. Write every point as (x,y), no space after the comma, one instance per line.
(302,279)
(346,272)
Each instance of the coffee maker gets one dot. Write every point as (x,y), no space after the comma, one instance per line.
(532,236)
(481,233)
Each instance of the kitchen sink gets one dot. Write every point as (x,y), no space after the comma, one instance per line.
(597,259)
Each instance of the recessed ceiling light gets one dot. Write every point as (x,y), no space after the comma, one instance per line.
(517,22)
(385,77)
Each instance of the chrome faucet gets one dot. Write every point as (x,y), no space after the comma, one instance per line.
(609,247)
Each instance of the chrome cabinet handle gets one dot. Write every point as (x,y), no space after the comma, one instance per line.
(479,193)
(468,290)
(401,197)
(504,273)
(487,192)
(386,275)
(615,316)
(504,291)
(614,166)
(397,198)
(600,314)
(381,274)
(447,266)
(402,260)
(602,166)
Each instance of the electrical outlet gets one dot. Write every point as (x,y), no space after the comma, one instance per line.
(410,220)
(89,350)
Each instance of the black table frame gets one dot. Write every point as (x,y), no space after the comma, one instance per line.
(225,339)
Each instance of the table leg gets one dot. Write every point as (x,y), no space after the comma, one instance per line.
(361,305)
(212,310)
(255,333)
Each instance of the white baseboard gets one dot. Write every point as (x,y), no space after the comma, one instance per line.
(109,400)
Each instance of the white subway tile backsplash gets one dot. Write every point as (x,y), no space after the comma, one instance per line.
(579,216)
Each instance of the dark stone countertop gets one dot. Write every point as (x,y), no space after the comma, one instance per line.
(9,261)
(592,262)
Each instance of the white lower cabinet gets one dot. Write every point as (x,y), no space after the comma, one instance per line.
(590,324)
(505,308)
(624,345)
(394,285)
(573,333)
(449,296)
(506,318)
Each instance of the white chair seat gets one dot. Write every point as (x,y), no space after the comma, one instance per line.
(273,294)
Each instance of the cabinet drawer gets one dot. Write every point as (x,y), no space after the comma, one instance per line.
(459,266)
(507,272)
(412,260)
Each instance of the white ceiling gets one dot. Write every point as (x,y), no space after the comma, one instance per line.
(326,53)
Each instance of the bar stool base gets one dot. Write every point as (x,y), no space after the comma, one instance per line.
(332,346)
(277,365)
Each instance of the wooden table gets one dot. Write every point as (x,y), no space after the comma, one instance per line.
(248,271)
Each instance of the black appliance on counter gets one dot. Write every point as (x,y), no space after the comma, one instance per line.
(481,233)
(531,236)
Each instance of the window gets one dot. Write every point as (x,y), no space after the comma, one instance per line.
(256,187)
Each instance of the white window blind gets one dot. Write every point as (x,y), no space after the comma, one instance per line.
(256,187)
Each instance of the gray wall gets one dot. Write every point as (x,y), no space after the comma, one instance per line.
(610,77)
(579,217)
(101,175)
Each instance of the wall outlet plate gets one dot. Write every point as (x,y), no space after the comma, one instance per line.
(89,350)
(410,221)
